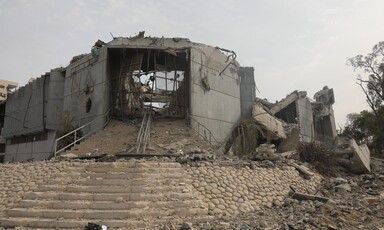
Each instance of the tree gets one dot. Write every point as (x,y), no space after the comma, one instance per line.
(373,84)
(361,127)
(373,87)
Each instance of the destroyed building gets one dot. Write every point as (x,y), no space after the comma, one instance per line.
(297,118)
(129,78)
(314,119)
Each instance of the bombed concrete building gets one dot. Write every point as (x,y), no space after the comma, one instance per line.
(129,78)
(299,119)
(314,118)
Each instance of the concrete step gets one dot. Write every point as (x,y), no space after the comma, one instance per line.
(120,182)
(104,205)
(149,223)
(38,223)
(135,170)
(65,196)
(133,164)
(123,175)
(105,214)
(111,189)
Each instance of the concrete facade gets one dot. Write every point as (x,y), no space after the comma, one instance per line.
(247,91)
(219,107)
(87,80)
(32,117)
(108,82)
(315,118)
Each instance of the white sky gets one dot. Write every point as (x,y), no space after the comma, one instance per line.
(293,45)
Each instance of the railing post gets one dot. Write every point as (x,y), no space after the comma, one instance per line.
(74,143)
(55,148)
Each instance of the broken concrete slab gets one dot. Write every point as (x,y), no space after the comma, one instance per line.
(273,125)
(288,154)
(303,170)
(360,162)
(303,196)
(354,157)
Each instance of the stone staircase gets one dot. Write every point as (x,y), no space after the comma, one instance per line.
(120,195)
(116,137)
(120,137)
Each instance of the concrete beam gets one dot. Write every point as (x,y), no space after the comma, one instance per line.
(285,102)
(268,122)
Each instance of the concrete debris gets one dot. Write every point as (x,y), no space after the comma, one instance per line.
(271,124)
(303,170)
(266,152)
(289,154)
(354,157)
(69,155)
(361,158)
(303,196)
(343,188)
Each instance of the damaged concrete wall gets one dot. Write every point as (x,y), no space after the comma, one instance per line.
(55,99)
(86,92)
(25,109)
(325,127)
(217,107)
(305,116)
(32,117)
(247,91)
(149,42)
(315,118)
(31,150)
(35,107)
(297,108)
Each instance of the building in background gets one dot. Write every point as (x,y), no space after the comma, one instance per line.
(5,88)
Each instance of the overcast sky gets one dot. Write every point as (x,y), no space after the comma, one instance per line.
(292,44)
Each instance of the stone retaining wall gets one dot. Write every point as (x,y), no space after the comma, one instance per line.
(231,190)
(18,179)
(224,189)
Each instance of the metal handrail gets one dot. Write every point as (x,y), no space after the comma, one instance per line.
(205,129)
(107,114)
